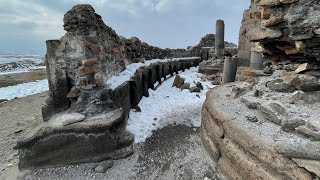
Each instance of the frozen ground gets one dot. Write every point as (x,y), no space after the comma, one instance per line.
(168,101)
(25,89)
(20,63)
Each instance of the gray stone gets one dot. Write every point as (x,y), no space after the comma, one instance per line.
(279,86)
(103,166)
(257,93)
(71,118)
(289,125)
(250,105)
(268,70)
(279,109)
(309,133)
(185,86)
(252,119)
(269,115)
(236,92)
(194,89)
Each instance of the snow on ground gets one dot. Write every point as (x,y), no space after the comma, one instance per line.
(130,70)
(168,101)
(4,59)
(10,64)
(25,89)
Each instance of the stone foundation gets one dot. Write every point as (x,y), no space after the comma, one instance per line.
(99,137)
(244,137)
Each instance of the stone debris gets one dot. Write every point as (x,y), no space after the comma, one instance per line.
(303,67)
(193,87)
(103,166)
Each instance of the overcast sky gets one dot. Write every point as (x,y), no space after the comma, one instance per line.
(26,24)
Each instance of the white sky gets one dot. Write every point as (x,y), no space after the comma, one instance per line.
(26,24)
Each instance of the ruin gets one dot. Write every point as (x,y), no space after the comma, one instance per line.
(266,124)
(85,112)
(261,122)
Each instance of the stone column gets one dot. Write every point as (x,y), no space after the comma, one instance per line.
(57,77)
(219,41)
(256,60)
(229,70)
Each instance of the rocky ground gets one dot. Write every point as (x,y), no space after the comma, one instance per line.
(173,152)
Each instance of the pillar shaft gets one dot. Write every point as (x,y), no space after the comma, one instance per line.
(229,70)
(256,60)
(219,41)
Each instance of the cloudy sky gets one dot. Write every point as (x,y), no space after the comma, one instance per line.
(26,24)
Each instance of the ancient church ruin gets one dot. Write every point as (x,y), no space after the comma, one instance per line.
(260,122)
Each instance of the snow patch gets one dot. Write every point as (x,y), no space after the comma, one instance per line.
(25,89)
(168,105)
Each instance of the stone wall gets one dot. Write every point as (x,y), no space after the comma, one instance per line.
(96,138)
(137,51)
(249,137)
(285,29)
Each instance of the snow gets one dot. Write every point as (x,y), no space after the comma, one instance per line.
(37,59)
(10,64)
(25,89)
(168,105)
(130,70)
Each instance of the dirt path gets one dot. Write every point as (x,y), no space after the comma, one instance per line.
(17,117)
(174,152)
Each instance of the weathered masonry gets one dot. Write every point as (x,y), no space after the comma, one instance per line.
(84,118)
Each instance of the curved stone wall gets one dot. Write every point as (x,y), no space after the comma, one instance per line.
(252,148)
(96,139)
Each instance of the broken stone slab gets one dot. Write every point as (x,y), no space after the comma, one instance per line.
(178,82)
(302,82)
(71,118)
(289,125)
(279,86)
(185,86)
(309,133)
(279,109)
(269,115)
(303,67)
(310,165)
(195,89)
(96,140)
(249,104)
(103,166)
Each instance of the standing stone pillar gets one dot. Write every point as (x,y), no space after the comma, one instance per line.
(58,83)
(219,41)
(229,70)
(256,60)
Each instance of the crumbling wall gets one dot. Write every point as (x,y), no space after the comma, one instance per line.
(286,29)
(81,62)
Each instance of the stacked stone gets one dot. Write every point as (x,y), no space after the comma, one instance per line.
(286,29)
(137,51)
(81,61)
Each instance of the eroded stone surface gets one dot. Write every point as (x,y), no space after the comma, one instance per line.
(267,130)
